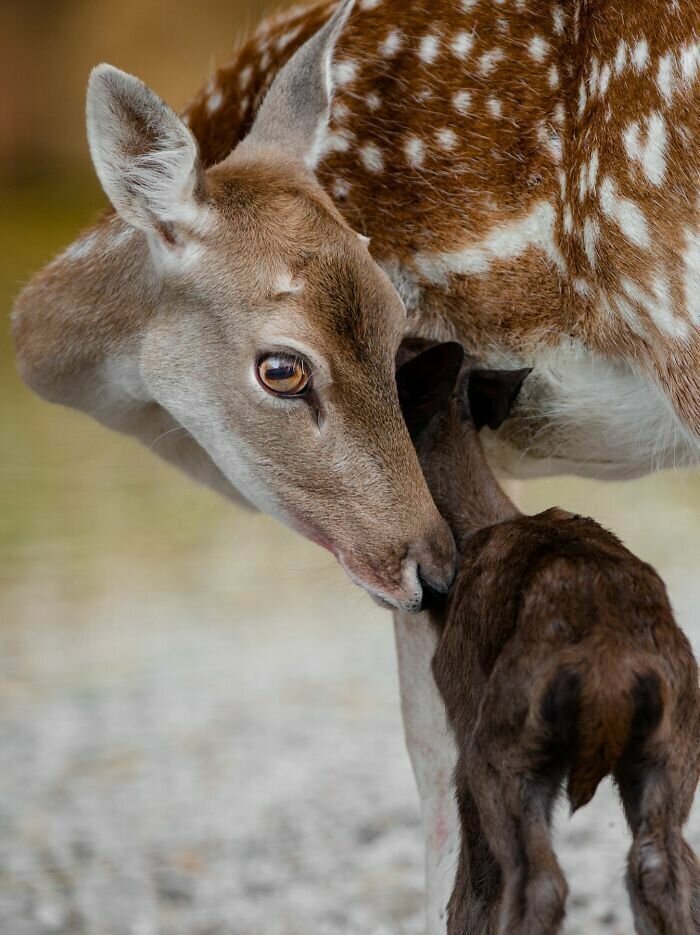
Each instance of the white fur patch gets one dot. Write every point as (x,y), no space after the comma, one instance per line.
(429,48)
(462,44)
(538,48)
(657,303)
(391,45)
(534,230)
(628,216)
(651,152)
(462,101)
(600,418)
(447,139)
(414,148)
(372,158)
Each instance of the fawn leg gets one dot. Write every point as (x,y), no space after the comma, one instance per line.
(515,807)
(433,756)
(663,879)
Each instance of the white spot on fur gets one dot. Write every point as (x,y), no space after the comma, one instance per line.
(344,72)
(621,57)
(559,115)
(373,102)
(591,232)
(372,158)
(495,107)
(504,242)
(568,220)
(628,216)
(429,48)
(244,77)
(604,81)
(553,77)
(214,101)
(369,4)
(665,77)
(288,37)
(657,303)
(593,167)
(415,151)
(447,139)
(489,60)
(462,44)
(691,275)
(640,55)
(391,44)
(336,142)
(690,62)
(559,20)
(650,154)
(538,48)
(593,76)
(462,101)
(340,188)
(468,5)
(581,99)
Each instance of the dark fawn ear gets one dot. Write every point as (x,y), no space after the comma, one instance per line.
(426,382)
(492,394)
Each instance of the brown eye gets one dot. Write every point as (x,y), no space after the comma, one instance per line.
(284,374)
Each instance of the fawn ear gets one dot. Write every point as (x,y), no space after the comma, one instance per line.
(426,382)
(146,158)
(295,112)
(492,393)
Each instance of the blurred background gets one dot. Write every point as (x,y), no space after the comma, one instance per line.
(199,725)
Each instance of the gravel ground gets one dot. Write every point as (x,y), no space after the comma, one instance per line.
(172,770)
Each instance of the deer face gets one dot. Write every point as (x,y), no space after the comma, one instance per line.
(271,334)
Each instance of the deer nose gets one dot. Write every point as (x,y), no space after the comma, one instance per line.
(434,593)
(436,565)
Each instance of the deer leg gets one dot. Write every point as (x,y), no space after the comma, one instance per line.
(663,878)
(433,757)
(515,808)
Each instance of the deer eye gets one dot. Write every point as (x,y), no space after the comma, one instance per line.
(284,374)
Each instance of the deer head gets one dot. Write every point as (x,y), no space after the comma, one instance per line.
(239,305)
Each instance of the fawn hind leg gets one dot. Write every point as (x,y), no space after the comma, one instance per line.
(657,783)
(515,807)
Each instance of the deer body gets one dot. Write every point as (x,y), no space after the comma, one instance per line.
(528,176)
(557,657)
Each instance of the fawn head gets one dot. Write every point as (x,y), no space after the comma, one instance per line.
(271,334)
(443,393)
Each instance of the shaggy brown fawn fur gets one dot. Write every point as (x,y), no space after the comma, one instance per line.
(558,656)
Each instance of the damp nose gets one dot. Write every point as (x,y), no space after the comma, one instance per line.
(434,561)
(434,593)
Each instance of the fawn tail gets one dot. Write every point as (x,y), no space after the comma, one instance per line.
(592,716)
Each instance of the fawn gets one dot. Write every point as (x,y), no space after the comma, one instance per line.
(558,657)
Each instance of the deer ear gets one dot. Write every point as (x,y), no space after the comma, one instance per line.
(295,112)
(426,382)
(145,157)
(492,393)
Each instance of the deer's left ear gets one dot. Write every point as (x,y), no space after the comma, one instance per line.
(492,393)
(427,381)
(295,113)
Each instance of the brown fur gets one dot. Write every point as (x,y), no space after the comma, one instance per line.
(558,656)
(499,168)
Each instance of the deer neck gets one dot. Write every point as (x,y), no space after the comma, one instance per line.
(463,485)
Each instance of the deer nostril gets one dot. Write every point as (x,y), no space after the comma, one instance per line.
(434,593)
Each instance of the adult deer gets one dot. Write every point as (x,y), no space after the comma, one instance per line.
(528,178)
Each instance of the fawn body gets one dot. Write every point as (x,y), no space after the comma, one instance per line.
(558,658)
